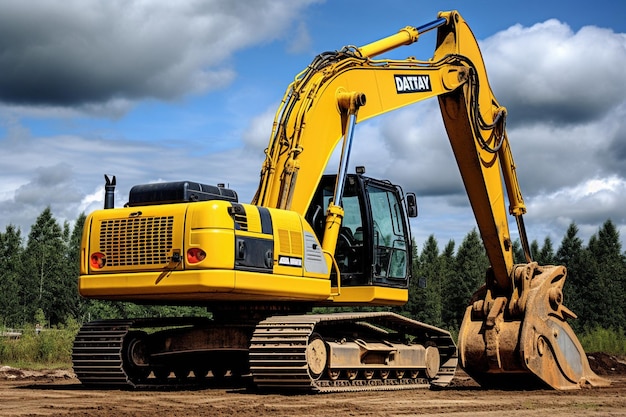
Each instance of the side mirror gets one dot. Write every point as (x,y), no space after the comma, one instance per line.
(421,282)
(411,204)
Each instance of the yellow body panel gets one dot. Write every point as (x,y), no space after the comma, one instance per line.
(208,225)
(221,255)
(276,286)
(372,295)
(203,286)
(157,285)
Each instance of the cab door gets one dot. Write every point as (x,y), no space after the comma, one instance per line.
(373,246)
(390,235)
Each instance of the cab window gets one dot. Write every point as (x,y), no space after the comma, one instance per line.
(389,234)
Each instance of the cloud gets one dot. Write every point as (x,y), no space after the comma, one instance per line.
(92,54)
(301,40)
(420,152)
(588,204)
(258,132)
(614,154)
(548,73)
(591,201)
(48,186)
(550,157)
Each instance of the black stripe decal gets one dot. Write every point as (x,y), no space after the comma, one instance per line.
(266,221)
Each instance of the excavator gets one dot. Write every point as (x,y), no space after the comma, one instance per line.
(312,239)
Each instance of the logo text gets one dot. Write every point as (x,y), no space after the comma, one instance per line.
(412,83)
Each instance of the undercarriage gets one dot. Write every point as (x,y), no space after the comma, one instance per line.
(308,352)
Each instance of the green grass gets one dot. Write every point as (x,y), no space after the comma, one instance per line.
(50,349)
(608,341)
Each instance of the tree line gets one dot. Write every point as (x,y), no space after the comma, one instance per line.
(595,287)
(39,278)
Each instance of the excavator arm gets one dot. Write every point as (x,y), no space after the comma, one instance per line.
(342,88)
(516,323)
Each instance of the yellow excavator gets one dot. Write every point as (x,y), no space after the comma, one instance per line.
(309,239)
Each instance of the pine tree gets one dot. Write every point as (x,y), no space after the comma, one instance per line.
(574,257)
(534,249)
(470,268)
(10,272)
(44,284)
(518,253)
(606,287)
(545,255)
(448,276)
(411,304)
(594,290)
(75,304)
(426,305)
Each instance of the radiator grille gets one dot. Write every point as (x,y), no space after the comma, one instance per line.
(137,241)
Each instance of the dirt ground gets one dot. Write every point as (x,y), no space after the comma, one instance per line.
(58,393)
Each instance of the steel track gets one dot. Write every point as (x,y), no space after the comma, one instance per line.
(278,359)
(98,356)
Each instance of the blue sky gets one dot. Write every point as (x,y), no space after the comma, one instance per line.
(155,91)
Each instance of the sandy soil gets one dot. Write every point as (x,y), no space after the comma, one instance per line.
(58,393)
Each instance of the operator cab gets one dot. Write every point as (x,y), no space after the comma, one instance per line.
(374,244)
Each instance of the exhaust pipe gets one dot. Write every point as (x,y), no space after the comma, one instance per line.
(109,194)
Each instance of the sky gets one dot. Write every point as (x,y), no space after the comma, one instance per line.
(164,91)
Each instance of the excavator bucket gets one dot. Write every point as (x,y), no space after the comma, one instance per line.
(524,340)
